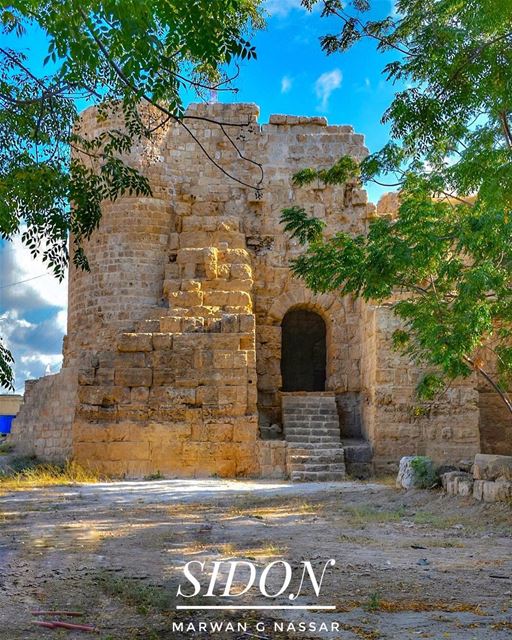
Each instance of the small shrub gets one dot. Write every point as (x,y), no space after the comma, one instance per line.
(374,602)
(426,476)
(154,476)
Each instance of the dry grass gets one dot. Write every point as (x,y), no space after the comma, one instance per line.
(44,475)
(271,507)
(419,605)
(366,513)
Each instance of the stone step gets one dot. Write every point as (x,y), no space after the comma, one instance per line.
(308,401)
(357,450)
(312,432)
(308,448)
(311,436)
(312,439)
(298,415)
(314,411)
(333,458)
(318,466)
(311,426)
(317,476)
(325,408)
(317,430)
(312,422)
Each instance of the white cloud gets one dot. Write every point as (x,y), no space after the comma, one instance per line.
(36,346)
(325,85)
(16,265)
(61,320)
(286,84)
(282,8)
(33,312)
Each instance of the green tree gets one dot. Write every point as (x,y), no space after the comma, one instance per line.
(448,251)
(117,55)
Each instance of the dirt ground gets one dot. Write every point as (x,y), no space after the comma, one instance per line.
(408,564)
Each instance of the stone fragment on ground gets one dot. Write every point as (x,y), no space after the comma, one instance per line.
(409,477)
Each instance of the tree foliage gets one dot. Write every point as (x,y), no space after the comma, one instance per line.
(115,54)
(448,251)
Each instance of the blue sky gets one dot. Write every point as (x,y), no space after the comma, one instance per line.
(291,75)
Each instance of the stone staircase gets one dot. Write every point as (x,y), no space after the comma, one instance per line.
(312,432)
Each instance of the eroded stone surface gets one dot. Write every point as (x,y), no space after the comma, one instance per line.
(492,467)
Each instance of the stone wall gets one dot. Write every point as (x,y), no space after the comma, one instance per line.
(398,425)
(43,426)
(176,402)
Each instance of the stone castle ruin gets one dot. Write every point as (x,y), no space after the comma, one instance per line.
(191,350)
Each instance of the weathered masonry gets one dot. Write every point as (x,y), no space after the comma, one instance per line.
(191,350)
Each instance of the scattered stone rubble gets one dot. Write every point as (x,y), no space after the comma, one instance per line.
(490,480)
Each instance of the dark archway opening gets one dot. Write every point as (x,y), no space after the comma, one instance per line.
(303,351)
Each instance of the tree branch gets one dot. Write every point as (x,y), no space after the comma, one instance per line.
(493,384)
(119,72)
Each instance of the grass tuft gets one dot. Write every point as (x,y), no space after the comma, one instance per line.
(143,597)
(27,473)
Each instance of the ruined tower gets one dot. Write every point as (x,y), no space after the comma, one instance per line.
(191,349)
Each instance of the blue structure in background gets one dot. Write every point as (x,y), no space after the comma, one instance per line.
(5,424)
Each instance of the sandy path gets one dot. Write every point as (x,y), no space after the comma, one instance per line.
(408,565)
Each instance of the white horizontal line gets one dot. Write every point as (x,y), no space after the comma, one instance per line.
(249,607)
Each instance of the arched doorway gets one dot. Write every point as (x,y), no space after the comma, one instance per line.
(303,351)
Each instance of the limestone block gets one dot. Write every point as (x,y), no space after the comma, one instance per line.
(245,431)
(247,343)
(457,483)
(207,396)
(185,299)
(172,432)
(227,298)
(241,272)
(171,286)
(104,396)
(407,477)
(219,432)
(223,359)
(85,376)
(236,395)
(478,489)
(172,396)
(192,324)
(241,359)
(139,395)
(135,342)
(492,467)
(229,323)
(164,377)
(134,377)
(492,491)
(162,341)
(129,359)
(247,323)
(138,450)
(104,376)
(170,324)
